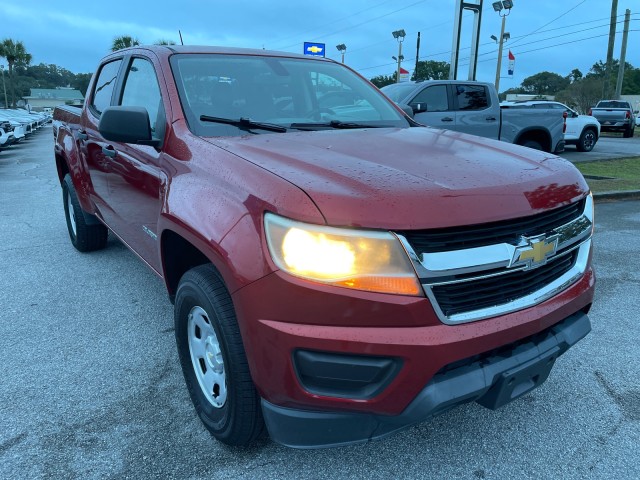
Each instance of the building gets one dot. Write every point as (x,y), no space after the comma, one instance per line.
(52,97)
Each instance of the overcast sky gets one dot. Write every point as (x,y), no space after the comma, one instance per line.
(551,35)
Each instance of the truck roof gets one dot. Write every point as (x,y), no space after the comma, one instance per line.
(167,50)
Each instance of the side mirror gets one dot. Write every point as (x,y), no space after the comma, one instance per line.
(127,125)
(419,107)
(406,109)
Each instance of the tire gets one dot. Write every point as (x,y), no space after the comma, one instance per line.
(213,359)
(532,144)
(587,140)
(85,237)
(628,133)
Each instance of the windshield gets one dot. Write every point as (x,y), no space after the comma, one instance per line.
(612,104)
(398,91)
(277,91)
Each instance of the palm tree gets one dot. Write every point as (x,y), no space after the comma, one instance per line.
(162,41)
(16,55)
(124,41)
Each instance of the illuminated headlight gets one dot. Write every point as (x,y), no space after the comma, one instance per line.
(359,259)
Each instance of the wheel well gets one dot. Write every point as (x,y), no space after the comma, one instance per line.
(62,167)
(539,136)
(178,257)
(591,127)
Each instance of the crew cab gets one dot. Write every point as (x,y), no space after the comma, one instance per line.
(583,131)
(615,116)
(338,271)
(473,107)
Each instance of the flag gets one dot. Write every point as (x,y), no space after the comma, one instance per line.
(512,62)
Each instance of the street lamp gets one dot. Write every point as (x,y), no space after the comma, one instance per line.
(399,36)
(500,7)
(342,48)
(6,104)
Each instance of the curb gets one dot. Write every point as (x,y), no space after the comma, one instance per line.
(617,195)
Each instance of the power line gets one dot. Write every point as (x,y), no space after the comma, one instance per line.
(351,27)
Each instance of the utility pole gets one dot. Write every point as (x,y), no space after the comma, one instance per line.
(612,40)
(623,53)
(499,67)
(415,73)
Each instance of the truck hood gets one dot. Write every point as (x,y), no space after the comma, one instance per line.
(412,177)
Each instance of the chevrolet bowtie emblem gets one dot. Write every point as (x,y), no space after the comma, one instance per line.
(534,251)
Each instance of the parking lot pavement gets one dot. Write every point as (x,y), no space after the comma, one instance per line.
(91,386)
(607,148)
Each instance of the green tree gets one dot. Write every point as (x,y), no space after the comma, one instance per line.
(582,94)
(162,41)
(383,80)
(16,55)
(545,83)
(431,70)
(575,75)
(124,41)
(81,82)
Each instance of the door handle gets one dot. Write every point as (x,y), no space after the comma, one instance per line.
(82,135)
(109,151)
(446,119)
(491,119)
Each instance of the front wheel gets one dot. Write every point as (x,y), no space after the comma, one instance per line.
(587,140)
(85,236)
(213,359)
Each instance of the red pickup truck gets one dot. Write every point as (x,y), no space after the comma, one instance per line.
(338,272)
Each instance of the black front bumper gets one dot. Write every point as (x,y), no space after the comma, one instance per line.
(492,380)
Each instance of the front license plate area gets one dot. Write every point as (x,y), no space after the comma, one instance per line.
(518,381)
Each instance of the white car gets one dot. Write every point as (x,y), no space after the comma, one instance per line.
(583,131)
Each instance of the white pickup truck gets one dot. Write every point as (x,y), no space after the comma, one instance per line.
(583,131)
(473,107)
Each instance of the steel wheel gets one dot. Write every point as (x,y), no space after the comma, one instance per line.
(206,356)
(72,215)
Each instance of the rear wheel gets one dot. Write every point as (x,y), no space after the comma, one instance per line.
(587,140)
(628,133)
(213,359)
(85,236)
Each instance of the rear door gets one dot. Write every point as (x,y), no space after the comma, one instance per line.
(474,112)
(92,144)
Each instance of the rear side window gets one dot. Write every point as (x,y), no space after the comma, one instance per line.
(104,86)
(471,97)
(434,98)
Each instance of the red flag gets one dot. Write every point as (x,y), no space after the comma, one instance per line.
(512,62)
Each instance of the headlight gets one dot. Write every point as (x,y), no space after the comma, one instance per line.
(359,259)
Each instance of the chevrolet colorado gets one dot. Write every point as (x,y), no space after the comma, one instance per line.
(338,272)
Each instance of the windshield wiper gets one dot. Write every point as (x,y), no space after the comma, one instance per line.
(244,123)
(332,124)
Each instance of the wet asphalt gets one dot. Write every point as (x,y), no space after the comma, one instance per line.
(90,385)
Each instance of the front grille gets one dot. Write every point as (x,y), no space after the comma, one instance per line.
(506,231)
(490,292)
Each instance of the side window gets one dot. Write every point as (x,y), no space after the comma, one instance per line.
(141,90)
(472,97)
(434,98)
(104,86)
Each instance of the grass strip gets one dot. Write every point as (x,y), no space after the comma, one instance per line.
(625,173)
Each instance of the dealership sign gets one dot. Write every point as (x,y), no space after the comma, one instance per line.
(314,49)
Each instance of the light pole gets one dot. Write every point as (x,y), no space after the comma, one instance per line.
(342,48)
(4,87)
(399,36)
(505,5)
